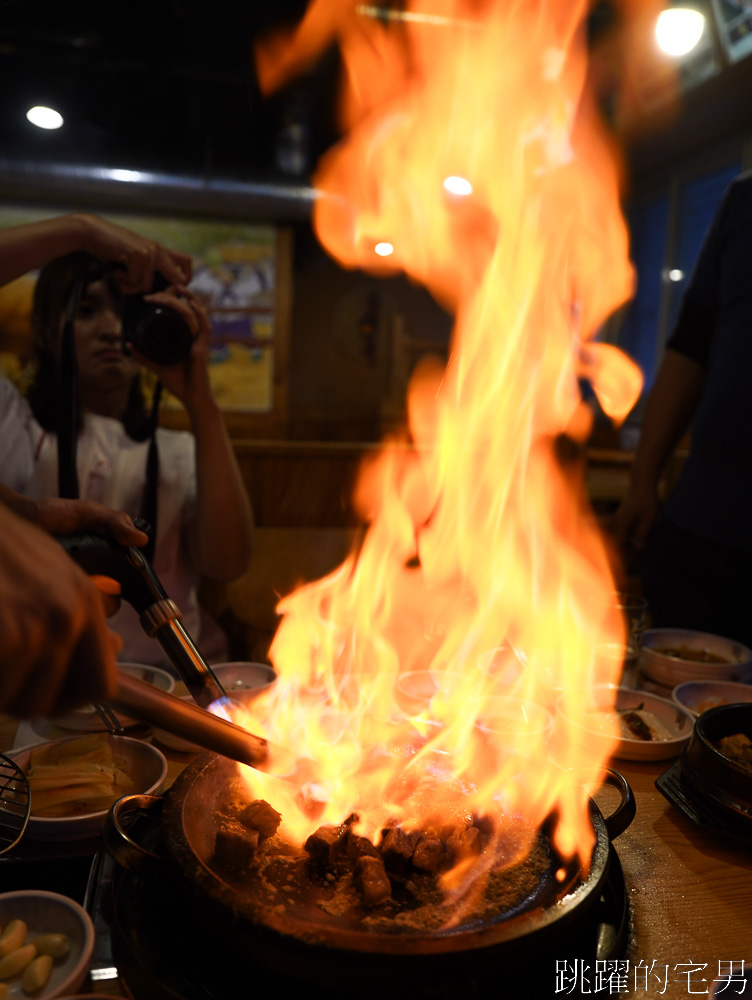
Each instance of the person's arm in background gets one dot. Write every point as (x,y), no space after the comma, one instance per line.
(56,651)
(678,387)
(25,248)
(668,414)
(221,536)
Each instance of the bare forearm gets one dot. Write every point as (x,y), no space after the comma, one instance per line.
(25,248)
(223,525)
(668,414)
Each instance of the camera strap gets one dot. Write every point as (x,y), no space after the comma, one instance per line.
(149,502)
(67,437)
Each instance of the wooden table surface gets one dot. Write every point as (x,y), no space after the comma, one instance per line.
(690,892)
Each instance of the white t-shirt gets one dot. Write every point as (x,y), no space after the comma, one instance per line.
(112,470)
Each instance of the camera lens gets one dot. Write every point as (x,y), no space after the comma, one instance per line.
(159,333)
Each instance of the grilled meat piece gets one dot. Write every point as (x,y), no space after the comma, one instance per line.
(357,847)
(636,725)
(328,843)
(259,815)
(429,854)
(397,847)
(464,841)
(234,844)
(372,880)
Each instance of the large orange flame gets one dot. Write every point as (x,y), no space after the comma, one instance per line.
(433,671)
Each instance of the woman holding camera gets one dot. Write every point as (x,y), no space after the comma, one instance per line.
(203,517)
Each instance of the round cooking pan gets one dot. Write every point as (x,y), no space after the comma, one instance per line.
(276,933)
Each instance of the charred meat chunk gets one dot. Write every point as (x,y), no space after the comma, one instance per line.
(429,853)
(234,844)
(636,725)
(463,842)
(327,844)
(260,816)
(357,847)
(397,847)
(372,880)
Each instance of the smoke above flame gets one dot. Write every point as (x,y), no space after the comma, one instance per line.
(433,671)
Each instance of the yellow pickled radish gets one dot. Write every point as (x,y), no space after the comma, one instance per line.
(12,937)
(14,963)
(56,945)
(36,974)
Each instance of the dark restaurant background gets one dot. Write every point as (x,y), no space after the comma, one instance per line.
(163,117)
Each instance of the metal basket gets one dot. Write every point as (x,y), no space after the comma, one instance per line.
(15,803)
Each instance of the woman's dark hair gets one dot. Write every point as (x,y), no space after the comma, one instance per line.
(51,296)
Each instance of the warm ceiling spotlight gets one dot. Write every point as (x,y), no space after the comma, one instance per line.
(679,29)
(458,185)
(44,117)
(384,249)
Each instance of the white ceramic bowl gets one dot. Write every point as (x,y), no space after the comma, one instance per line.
(47,913)
(661,665)
(87,720)
(147,769)
(244,681)
(699,696)
(677,720)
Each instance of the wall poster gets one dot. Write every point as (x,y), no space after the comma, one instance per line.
(234,276)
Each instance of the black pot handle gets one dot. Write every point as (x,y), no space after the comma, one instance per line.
(625,812)
(128,852)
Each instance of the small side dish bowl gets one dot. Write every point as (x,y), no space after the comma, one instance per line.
(672,722)
(87,720)
(244,681)
(671,656)
(708,768)
(699,696)
(146,767)
(51,913)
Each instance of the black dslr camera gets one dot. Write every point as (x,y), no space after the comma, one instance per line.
(161,334)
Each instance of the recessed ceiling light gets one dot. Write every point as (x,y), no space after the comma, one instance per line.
(384,249)
(44,117)
(679,29)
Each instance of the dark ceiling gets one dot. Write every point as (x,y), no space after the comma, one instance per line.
(169,85)
(164,84)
